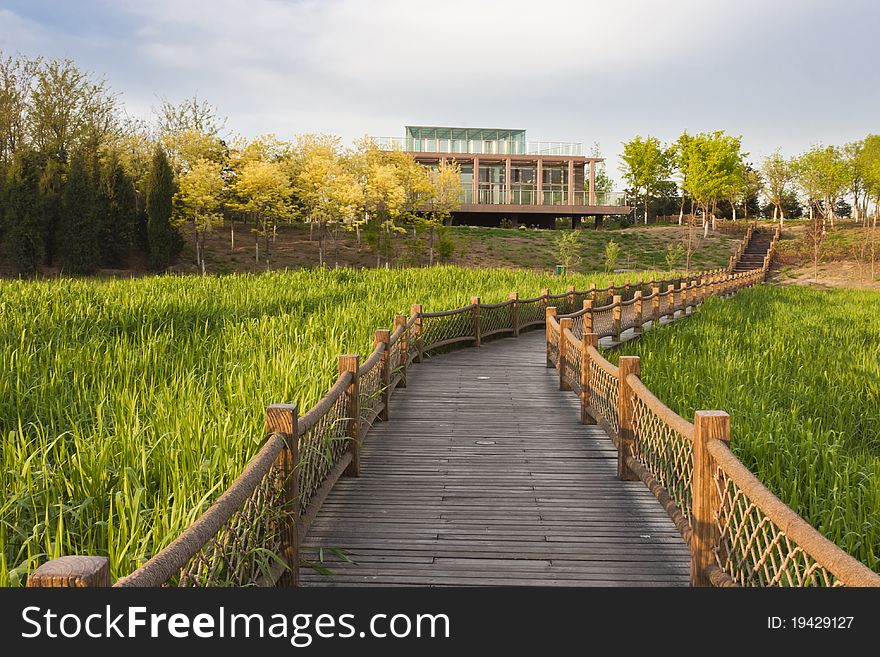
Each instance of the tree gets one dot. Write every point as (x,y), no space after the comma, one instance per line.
(822,176)
(646,164)
(869,164)
(16,81)
(612,252)
(264,190)
(119,230)
(163,239)
(68,110)
(384,199)
(445,198)
(778,173)
(568,248)
(79,221)
(713,163)
(198,200)
(20,217)
(602,184)
(852,153)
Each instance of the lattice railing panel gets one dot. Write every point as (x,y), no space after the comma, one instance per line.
(665,452)
(496,319)
(603,323)
(628,318)
(321,447)
(553,345)
(573,361)
(532,312)
(604,391)
(754,551)
(246,548)
(370,388)
(436,330)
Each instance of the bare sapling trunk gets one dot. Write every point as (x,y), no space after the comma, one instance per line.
(646,207)
(232,236)
(320,243)
(431,246)
(733,208)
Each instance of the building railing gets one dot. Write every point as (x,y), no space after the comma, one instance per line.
(480,146)
(497,194)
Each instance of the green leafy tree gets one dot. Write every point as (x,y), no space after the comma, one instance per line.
(612,252)
(264,190)
(445,198)
(646,165)
(569,248)
(198,201)
(778,173)
(163,238)
(119,230)
(80,229)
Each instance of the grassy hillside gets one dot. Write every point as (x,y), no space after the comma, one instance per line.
(641,248)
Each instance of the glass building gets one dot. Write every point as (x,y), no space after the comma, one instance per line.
(504,175)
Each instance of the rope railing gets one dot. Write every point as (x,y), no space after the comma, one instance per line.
(738,532)
(251,535)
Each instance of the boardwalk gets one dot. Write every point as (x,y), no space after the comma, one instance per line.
(485,476)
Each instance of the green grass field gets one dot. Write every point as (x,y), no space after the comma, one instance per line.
(127,406)
(798,370)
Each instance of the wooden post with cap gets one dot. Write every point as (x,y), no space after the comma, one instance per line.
(708,426)
(282,420)
(550,312)
(383,336)
(514,313)
(475,302)
(416,311)
(400,321)
(351,363)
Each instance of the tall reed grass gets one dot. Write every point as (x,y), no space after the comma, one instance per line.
(127,406)
(798,370)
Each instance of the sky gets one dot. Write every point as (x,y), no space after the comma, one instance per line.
(782,73)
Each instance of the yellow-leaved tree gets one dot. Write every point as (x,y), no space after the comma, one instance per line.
(199,201)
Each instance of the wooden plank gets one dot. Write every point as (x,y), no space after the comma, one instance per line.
(485,476)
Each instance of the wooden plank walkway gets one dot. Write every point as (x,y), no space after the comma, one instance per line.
(484,476)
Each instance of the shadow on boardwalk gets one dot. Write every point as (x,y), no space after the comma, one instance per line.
(485,476)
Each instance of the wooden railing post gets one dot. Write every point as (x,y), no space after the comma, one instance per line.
(548,313)
(587,317)
(545,300)
(616,312)
(351,363)
(588,340)
(282,419)
(475,302)
(569,298)
(514,313)
(637,311)
(400,321)
(592,296)
(383,336)
(73,572)
(670,290)
(708,426)
(626,365)
(564,323)
(655,306)
(416,311)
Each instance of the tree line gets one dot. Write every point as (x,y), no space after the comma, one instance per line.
(709,175)
(84,186)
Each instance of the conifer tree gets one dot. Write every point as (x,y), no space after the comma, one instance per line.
(164,241)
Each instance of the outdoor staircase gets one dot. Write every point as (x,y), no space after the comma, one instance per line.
(756,250)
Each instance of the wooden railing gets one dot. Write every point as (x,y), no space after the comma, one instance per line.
(251,535)
(738,532)
(741,247)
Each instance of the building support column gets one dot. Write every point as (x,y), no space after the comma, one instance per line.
(476,189)
(571,182)
(540,181)
(507,186)
(592,182)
